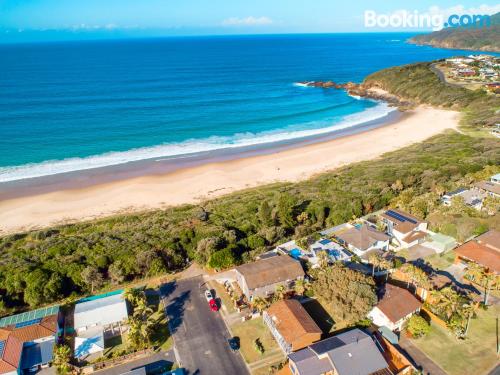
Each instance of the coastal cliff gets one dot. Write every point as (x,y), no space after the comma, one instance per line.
(480,38)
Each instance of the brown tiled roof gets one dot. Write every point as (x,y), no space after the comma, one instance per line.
(31,333)
(292,320)
(483,255)
(363,237)
(397,303)
(270,271)
(402,226)
(11,355)
(490,239)
(488,186)
(4,334)
(415,235)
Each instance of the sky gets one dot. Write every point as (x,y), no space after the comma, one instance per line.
(40,20)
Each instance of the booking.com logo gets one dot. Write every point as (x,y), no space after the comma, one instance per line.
(415,20)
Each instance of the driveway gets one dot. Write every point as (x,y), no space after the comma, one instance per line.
(200,335)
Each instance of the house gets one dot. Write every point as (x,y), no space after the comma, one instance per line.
(348,353)
(471,197)
(27,340)
(362,239)
(291,325)
(260,278)
(491,187)
(97,318)
(405,229)
(496,178)
(334,251)
(395,307)
(483,250)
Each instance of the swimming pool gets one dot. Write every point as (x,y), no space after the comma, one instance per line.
(295,253)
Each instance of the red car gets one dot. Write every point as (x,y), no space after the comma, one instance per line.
(211,301)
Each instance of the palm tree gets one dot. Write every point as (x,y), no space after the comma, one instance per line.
(468,310)
(322,259)
(280,292)
(386,265)
(447,301)
(260,304)
(300,287)
(481,276)
(374,260)
(132,295)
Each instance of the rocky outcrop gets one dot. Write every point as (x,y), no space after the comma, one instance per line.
(363,91)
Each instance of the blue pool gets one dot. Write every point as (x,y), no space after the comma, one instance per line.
(295,253)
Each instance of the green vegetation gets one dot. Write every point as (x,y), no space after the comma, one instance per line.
(418,326)
(62,358)
(474,38)
(347,295)
(418,83)
(474,355)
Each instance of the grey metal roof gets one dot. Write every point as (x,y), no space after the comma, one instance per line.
(102,311)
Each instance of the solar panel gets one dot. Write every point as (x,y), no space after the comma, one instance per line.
(2,348)
(29,315)
(400,217)
(28,323)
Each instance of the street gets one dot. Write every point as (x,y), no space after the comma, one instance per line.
(200,335)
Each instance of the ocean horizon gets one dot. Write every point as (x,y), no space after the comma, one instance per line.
(73,106)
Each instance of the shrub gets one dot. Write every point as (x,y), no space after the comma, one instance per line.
(418,326)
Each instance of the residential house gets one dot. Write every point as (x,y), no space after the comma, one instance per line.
(291,325)
(97,318)
(27,340)
(491,187)
(363,239)
(348,353)
(334,251)
(471,197)
(260,278)
(395,307)
(405,229)
(483,250)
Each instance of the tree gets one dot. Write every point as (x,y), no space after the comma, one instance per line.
(469,311)
(265,214)
(286,208)
(347,295)
(223,259)
(116,273)
(260,304)
(301,286)
(62,357)
(35,284)
(280,292)
(323,259)
(418,326)
(374,260)
(92,277)
(386,265)
(446,301)
(142,322)
(483,277)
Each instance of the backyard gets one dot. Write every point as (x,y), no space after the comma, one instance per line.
(248,332)
(475,355)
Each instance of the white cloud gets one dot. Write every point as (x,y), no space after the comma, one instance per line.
(247,21)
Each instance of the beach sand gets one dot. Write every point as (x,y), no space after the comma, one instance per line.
(206,181)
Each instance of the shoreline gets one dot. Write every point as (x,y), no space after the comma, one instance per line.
(196,183)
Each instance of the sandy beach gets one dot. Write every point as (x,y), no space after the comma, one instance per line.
(206,181)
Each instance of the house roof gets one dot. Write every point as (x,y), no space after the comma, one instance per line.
(397,303)
(481,254)
(414,235)
(10,356)
(270,271)
(351,352)
(29,315)
(490,239)
(362,238)
(37,354)
(488,186)
(100,311)
(402,221)
(292,320)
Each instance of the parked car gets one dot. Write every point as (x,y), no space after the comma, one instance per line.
(208,295)
(211,300)
(234,343)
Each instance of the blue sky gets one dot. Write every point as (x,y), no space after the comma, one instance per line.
(26,20)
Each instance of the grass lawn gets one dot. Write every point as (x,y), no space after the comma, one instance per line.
(475,355)
(221,293)
(248,332)
(441,261)
(115,346)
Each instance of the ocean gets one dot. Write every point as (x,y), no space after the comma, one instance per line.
(74,106)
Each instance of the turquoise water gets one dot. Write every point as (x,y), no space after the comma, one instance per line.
(77,105)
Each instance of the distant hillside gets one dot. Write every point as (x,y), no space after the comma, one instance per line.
(481,38)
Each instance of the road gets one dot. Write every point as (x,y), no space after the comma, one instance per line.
(200,335)
(155,360)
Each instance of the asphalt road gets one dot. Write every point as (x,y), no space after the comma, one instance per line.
(153,361)
(200,335)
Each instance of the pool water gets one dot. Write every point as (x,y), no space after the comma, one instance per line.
(295,253)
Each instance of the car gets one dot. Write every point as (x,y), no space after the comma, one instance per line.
(208,295)
(213,305)
(234,343)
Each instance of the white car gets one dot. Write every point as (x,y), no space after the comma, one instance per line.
(208,295)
